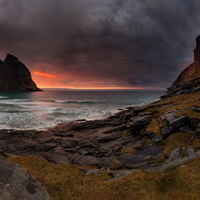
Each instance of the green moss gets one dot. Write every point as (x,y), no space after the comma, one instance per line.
(107,176)
(3,155)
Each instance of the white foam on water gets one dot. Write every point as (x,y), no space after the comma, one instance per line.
(49,109)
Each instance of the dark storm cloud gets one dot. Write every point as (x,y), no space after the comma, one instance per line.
(133,43)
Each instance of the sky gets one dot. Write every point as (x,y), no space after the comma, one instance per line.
(124,44)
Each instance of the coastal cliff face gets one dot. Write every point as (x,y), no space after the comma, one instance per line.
(14,76)
(194,67)
(189,79)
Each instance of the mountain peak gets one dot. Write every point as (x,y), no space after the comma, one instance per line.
(10,58)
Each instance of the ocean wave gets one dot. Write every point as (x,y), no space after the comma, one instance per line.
(76,102)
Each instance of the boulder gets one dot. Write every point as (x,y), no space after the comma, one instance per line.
(165,131)
(140,121)
(111,163)
(17,183)
(190,152)
(158,138)
(175,155)
(173,122)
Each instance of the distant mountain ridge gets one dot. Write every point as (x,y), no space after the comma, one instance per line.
(14,76)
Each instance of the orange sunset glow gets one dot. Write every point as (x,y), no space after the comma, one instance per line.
(47,80)
(44,74)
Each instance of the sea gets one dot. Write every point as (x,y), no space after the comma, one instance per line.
(42,110)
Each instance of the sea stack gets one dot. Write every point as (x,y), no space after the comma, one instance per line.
(15,77)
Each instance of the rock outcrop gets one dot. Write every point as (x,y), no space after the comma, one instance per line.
(14,76)
(17,183)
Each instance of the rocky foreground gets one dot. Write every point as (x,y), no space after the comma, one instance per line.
(118,145)
(121,141)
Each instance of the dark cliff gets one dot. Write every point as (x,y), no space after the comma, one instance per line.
(14,76)
(194,67)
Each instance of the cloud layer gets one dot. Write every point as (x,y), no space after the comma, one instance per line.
(108,42)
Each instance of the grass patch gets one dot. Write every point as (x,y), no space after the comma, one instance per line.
(156,124)
(189,112)
(170,169)
(64,182)
(180,139)
(128,150)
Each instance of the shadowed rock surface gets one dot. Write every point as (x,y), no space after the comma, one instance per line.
(14,76)
(17,183)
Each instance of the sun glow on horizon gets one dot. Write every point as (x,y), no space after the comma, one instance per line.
(100,88)
(69,82)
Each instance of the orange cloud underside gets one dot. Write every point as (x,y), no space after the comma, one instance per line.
(46,80)
(44,74)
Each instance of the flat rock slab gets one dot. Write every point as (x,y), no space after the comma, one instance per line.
(86,160)
(140,121)
(151,150)
(133,160)
(185,129)
(17,183)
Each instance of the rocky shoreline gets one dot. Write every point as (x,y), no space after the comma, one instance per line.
(118,145)
(119,142)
